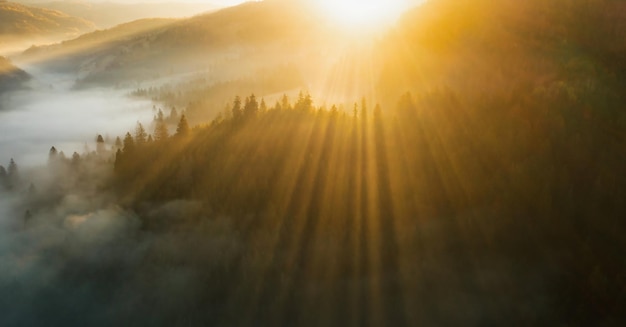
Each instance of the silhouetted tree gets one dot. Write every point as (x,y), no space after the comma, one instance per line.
(100,146)
(118,143)
(160,116)
(363,109)
(141,137)
(13,173)
(173,115)
(129,143)
(3,177)
(117,166)
(183,127)
(75,159)
(53,155)
(237,112)
(160,131)
(284,102)
(251,109)
(263,107)
(305,102)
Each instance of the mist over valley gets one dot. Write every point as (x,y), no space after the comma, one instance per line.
(307,163)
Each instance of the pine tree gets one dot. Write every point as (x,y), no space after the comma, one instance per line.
(237,113)
(160,116)
(100,146)
(160,131)
(75,159)
(182,129)
(141,137)
(13,172)
(305,102)
(117,166)
(3,177)
(363,109)
(118,143)
(129,144)
(251,109)
(263,107)
(173,115)
(53,155)
(284,103)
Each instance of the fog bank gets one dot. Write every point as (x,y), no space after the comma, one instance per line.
(51,113)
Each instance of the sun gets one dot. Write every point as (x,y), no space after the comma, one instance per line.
(363,13)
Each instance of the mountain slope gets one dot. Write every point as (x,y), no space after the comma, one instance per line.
(11,77)
(257,32)
(109,14)
(19,21)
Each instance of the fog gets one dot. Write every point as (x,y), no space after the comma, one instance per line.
(51,113)
(70,254)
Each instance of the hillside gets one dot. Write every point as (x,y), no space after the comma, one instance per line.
(245,36)
(72,54)
(11,77)
(495,187)
(109,14)
(20,23)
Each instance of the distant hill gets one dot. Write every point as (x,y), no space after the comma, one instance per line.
(18,22)
(109,14)
(11,77)
(245,36)
(94,42)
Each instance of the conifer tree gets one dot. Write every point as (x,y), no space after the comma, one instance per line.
(237,112)
(141,137)
(284,103)
(129,143)
(173,115)
(3,177)
(75,159)
(118,143)
(13,172)
(251,108)
(363,109)
(183,127)
(160,131)
(100,146)
(53,155)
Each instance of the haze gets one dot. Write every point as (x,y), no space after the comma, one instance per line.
(313,163)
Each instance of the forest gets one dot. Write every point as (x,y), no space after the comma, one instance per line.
(482,183)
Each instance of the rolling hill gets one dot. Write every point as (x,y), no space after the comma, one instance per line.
(109,14)
(11,77)
(25,24)
(269,32)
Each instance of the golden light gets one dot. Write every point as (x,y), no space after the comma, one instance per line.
(363,13)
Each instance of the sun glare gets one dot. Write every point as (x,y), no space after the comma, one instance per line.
(363,13)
